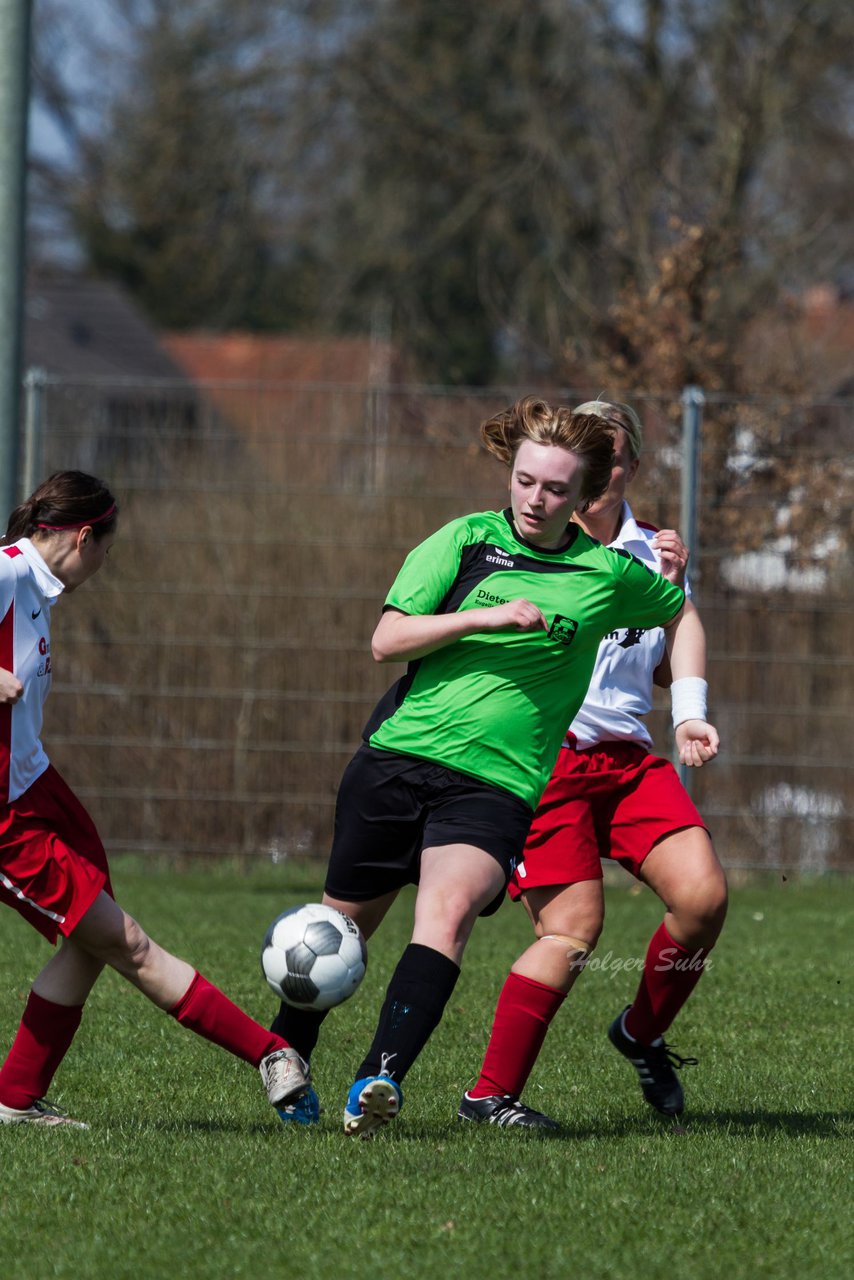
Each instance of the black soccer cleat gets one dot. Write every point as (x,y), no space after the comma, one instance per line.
(503,1110)
(654,1064)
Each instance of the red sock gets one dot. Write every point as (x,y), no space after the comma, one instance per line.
(43,1039)
(204,1009)
(522,1017)
(670,974)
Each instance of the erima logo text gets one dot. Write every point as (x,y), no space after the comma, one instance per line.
(500,557)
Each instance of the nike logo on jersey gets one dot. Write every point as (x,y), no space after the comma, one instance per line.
(36,613)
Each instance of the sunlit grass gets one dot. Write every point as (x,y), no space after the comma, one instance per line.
(187,1172)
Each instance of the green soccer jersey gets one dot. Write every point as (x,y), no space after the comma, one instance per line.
(497,704)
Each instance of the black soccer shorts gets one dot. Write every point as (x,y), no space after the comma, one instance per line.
(391,806)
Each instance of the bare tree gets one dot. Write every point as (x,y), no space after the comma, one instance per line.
(522,168)
(528,188)
(171,179)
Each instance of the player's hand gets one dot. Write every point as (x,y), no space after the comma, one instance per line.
(674,555)
(515,615)
(11,689)
(697,742)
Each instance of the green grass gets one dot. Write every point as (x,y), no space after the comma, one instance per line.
(186,1171)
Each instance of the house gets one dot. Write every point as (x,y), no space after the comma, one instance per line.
(108,381)
(312,410)
(78,328)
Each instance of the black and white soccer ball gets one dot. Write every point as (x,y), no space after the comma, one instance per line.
(313,956)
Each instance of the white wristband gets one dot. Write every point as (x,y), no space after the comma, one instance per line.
(688,699)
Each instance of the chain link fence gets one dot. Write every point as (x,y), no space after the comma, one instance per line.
(211,684)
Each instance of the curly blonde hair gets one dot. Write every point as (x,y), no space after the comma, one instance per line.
(588,435)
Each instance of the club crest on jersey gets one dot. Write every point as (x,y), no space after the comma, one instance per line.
(563,629)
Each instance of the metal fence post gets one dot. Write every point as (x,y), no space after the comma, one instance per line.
(377,398)
(35,383)
(14,101)
(692,419)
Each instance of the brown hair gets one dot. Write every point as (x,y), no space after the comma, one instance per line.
(66,500)
(587,435)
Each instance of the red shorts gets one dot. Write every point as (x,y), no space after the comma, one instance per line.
(614,800)
(52,862)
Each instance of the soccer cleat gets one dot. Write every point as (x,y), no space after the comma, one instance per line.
(372,1102)
(654,1064)
(41,1112)
(286,1076)
(306,1110)
(504,1110)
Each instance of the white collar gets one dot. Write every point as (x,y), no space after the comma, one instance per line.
(631,534)
(47,582)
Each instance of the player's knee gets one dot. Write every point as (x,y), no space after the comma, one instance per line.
(445,922)
(700,910)
(138,945)
(577,951)
(584,922)
(126,947)
(456,908)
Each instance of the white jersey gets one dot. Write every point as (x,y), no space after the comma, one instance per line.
(620,691)
(27,591)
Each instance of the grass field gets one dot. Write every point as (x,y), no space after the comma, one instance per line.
(186,1172)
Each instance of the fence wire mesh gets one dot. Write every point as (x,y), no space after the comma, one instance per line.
(212,683)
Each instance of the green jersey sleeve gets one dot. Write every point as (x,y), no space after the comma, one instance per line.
(643,598)
(429,571)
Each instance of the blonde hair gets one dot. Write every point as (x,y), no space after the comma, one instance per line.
(587,435)
(620,416)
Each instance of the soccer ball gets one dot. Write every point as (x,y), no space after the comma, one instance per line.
(313,956)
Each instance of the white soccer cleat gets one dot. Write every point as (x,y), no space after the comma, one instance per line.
(286,1076)
(41,1112)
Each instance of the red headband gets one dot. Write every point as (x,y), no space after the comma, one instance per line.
(80,524)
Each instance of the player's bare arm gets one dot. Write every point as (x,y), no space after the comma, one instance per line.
(686,643)
(403,637)
(11,688)
(697,740)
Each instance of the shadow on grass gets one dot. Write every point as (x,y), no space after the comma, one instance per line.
(206,1126)
(821,1124)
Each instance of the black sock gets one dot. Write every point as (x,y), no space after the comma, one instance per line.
(420,987)
(300,1027)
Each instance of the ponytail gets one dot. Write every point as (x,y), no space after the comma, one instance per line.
(66,500)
